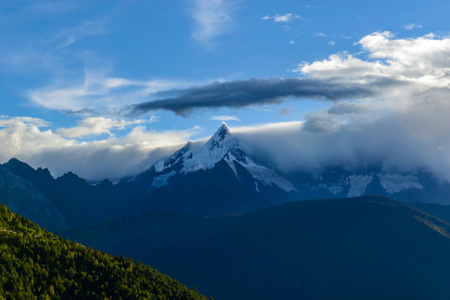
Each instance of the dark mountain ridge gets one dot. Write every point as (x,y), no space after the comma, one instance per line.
(81,204)
(20,195)
(353,248)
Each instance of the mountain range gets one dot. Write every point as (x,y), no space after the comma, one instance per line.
(220,176)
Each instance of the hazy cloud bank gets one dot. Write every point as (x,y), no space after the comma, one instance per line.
(112,157)
(293,146)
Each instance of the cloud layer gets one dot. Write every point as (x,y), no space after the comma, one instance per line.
(293,146)
(112,157)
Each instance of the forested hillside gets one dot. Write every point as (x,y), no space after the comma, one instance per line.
(36,264)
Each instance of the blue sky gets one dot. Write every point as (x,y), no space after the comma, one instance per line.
(70,71)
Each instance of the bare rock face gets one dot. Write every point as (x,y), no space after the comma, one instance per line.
(22,197)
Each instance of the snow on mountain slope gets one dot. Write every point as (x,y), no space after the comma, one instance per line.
(222,145)
(358,184)
(212,152)
(394,183)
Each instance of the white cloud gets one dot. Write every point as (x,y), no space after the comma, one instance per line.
(153,119)
(5,121)
(326,141)
(225,118)
(96,92)
(68,36)
(281,18)
(419,63)
(331,43)
(112,157)
(213,18)
(412,26)
(403,122)
(321,34)
(291,42)
(96,126)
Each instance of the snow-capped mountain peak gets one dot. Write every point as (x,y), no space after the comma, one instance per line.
(213,151)
(190,160)
(223,145)
(221,132)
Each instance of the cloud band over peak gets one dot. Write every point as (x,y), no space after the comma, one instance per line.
(244,93)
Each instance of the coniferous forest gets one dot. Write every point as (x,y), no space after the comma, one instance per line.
(36,264)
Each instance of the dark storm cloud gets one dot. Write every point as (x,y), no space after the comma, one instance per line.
(242,93)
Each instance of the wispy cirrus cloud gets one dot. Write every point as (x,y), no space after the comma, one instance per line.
(70,35)
(50,50)
(282,18)
(96,93)
(213,18)
(412,26)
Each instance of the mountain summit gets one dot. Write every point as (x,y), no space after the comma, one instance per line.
(220,176)
(223,146)
(222,131)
